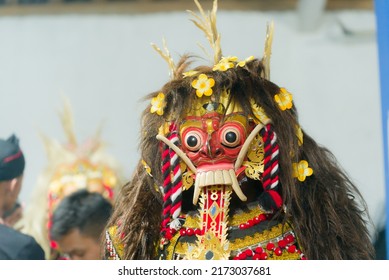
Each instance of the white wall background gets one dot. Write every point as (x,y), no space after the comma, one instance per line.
(105,65)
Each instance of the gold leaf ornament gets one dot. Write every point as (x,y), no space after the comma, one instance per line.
(254,162)
(187,176)
(208,247)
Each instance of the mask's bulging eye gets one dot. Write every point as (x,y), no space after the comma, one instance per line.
(193,141)
(230,137)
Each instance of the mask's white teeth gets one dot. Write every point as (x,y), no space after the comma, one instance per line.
(203,179)
(236,187)
(210,178)
(227,177)
(219,179)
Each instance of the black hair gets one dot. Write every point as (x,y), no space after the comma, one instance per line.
(83,210)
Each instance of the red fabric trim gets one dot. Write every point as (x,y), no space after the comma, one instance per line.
(11,158)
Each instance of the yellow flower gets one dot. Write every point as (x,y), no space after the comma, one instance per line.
(225,63)
(223,66)
(300,135)
(243,62)
(189,73)
(284,99)
(229,58)
(203,85)
(158,103)
(301,170)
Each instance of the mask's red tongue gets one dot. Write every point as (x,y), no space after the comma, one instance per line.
(214,210)
(214,203)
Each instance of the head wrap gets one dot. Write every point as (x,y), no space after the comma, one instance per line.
(11,159)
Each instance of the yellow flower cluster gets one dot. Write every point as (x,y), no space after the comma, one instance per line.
(203,84)
(225,63)
(229,62)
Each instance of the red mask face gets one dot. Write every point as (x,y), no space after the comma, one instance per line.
(213,140)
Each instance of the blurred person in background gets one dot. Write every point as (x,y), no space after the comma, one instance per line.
(78,223)
(14,245)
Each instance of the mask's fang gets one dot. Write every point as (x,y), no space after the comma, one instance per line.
(243,152)
(197,190)
(180,153)
(236,187)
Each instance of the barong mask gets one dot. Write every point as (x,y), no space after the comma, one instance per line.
(226,171)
